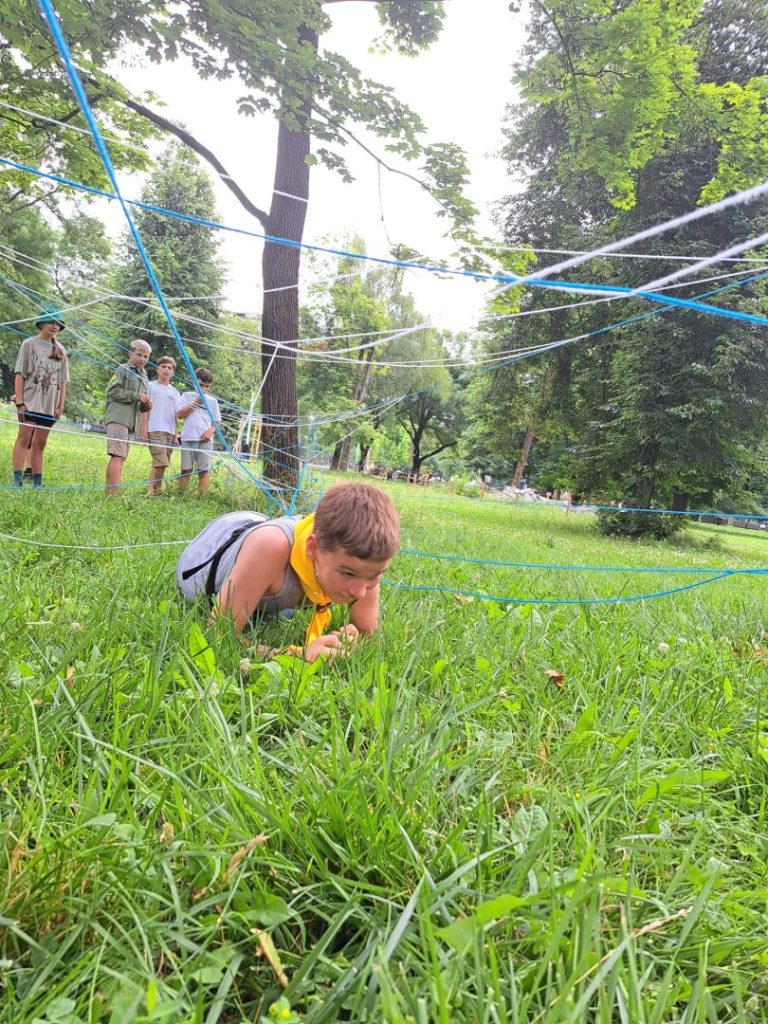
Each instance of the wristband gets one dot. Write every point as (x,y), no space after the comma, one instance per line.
(20,404)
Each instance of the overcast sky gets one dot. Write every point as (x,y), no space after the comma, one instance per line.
(460,87)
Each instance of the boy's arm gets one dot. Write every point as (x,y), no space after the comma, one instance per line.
(18,389)
(364,613)
(62,399)
(260,562)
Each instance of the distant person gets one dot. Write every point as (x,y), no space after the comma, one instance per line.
(197,433)
(247,564)
(128,403)
(40,390)
(167,408)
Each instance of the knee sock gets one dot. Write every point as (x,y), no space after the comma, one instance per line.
(17,477)
(37,479)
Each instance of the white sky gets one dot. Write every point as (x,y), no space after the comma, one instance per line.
(460,87)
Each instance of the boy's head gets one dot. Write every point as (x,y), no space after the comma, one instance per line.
(355,535)
(166,367)
(204,376)
(139,352)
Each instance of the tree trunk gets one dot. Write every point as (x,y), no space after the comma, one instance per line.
(680,501)
(280,311)
(555,325)
(645,477)
(522,461)
(362,461)
(363,372)
(336,457)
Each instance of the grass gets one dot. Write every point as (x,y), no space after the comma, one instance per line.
(488,814)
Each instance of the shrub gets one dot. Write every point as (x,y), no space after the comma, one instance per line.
(616,522)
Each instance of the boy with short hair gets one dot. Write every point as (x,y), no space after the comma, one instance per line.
(248,563)
(40,390)
(128,403)
(167,408)
(197,433)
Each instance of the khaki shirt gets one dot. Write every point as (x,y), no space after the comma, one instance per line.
(123,390)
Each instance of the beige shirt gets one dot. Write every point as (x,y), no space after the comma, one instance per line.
(43,375)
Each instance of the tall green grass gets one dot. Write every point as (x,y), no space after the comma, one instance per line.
(438,829)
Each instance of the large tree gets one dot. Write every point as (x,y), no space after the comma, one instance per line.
(632,113)
(185,260)
(316,96)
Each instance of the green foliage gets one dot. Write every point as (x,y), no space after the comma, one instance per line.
(636,525)
(184,257)
(666,409)
(485,812)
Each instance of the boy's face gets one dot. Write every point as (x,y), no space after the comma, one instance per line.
(164,372)
(139,357)
(345,578)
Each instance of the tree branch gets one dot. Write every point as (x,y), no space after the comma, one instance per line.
(381,162)
(437,451)
(189,140)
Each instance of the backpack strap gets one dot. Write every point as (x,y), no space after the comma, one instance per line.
(215,559)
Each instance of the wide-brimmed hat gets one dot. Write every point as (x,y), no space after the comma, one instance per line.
(50,316)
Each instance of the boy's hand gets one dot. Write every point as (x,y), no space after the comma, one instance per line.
(329,646)
(337,642)
(208,434)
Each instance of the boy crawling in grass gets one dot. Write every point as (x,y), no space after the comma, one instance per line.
(246,563)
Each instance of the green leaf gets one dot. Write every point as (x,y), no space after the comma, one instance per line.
(683,778)
(200,650)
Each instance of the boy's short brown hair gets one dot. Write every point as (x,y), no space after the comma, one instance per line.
(204,375)
(166,359)
(359,518)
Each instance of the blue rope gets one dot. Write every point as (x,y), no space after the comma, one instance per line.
(510,279)
(683,570)
(423,588)
(82,99)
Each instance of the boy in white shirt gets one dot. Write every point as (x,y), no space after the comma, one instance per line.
(197,434)
(167,408)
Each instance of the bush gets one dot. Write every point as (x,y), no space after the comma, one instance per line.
(635,525)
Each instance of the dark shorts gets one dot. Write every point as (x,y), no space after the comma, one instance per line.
(36,419)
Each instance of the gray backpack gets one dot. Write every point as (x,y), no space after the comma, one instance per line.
(199,562)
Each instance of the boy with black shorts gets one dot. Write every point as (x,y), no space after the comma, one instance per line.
(41,376)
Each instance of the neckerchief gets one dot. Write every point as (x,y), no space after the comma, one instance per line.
(304,568)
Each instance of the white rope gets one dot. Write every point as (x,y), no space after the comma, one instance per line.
(89,547)
(752,243)
(738,199)
(666,257)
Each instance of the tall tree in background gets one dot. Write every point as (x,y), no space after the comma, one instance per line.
(315,95)
(184,257)
(631,114)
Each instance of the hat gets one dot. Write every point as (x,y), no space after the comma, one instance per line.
(50,316)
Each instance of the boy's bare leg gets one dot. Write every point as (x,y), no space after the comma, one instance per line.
(114,473)
(39,441)
(156,475)
(184,481)
(203,479)
(21,445)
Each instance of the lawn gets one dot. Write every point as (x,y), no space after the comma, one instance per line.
(491,813)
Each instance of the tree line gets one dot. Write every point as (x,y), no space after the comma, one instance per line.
(621,115)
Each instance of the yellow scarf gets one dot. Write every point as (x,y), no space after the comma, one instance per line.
(304,568)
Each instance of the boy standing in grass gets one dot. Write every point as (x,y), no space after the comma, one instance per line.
(197,433)
(246,563)
(167,408)
(40,380)
(128,403)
